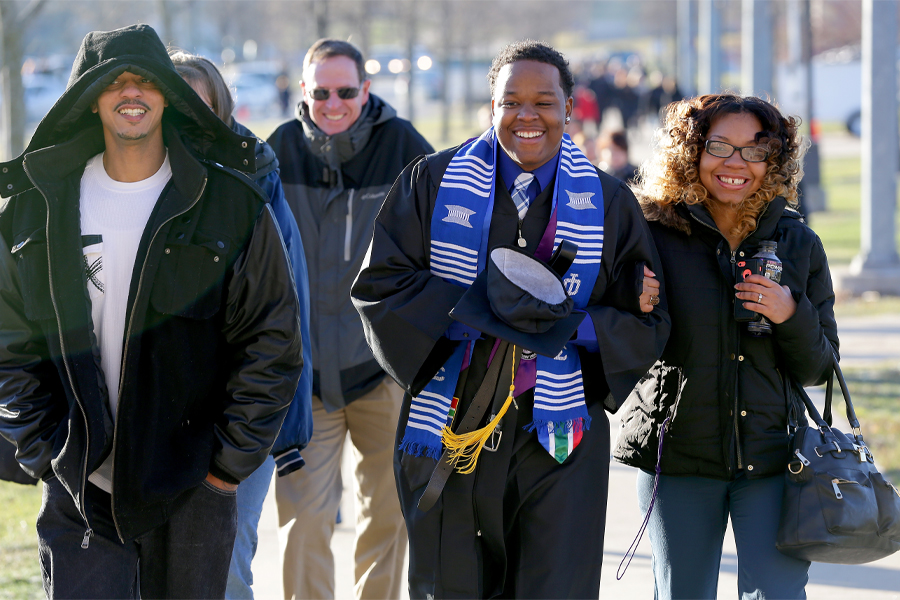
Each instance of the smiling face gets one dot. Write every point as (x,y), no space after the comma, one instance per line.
(731,180)
(131,110)
(334,115)
(529,110)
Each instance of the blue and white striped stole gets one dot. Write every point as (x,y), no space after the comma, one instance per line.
(460,225)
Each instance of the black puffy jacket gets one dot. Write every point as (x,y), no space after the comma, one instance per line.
(722,388)
(212,350)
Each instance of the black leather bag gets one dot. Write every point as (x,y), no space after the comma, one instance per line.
(837,507)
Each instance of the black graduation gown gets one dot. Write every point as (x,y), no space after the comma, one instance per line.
(522,525)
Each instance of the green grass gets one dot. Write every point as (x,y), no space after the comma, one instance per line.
(874,392)
(20,574)
(866,306)
(839,226)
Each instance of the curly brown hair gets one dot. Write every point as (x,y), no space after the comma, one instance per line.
(672,175)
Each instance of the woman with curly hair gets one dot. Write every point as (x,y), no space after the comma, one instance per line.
(711,416)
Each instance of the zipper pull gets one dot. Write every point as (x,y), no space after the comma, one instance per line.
(837,490)
(801,458)
(521,239)
(86,540)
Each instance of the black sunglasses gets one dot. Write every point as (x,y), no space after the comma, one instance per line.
(344,93)
(748,153)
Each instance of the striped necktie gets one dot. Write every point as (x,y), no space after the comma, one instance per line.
(520,193)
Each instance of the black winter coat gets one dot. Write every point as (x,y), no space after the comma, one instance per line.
(722,388)
(212,351)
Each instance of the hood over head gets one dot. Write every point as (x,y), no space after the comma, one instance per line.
(103,56)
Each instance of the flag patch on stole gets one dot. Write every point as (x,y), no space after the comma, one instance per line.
(560,441)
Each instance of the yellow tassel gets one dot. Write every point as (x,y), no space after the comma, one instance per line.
(466,448)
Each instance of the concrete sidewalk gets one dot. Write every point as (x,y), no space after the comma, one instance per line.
(864,341)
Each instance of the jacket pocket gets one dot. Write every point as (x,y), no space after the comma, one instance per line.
(848,502)
(30,253)
(190,278)
(660,392)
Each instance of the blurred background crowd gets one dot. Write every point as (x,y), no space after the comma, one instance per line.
(429,59)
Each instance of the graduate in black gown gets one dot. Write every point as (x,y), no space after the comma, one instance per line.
(529,521)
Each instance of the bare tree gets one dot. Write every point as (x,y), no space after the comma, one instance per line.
(411,31)
(165,12)
(320,9)
(14,20)
(445,49)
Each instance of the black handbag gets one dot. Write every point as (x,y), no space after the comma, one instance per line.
(837,507)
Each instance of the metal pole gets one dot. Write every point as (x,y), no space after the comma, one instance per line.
(756,48)
(687,53)
(879,136)
(877,266)
(709,47)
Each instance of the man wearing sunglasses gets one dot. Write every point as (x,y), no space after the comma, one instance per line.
(339,157)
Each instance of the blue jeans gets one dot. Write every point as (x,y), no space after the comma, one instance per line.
(688,526)
(251,494)
(185,557)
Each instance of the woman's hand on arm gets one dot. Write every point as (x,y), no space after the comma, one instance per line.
(649,291)
(761,294)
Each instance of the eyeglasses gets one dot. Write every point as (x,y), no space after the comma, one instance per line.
(344,93)
(748,153)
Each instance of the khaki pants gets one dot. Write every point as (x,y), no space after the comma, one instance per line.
(308,501)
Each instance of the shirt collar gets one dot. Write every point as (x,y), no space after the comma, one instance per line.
(509,170)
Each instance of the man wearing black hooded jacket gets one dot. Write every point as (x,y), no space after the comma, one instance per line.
(151,342)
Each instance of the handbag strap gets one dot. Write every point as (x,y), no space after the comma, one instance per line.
(829,393)
(848,404)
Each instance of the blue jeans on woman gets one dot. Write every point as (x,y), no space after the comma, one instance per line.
(688,526)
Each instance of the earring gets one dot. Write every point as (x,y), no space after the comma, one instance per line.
(568,119)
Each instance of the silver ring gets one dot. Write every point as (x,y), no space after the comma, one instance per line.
(759,300)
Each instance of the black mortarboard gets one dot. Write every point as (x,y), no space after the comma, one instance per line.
(520,299)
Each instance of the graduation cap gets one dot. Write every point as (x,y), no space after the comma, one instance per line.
(521,299)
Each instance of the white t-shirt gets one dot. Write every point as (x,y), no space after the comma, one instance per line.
(113,218)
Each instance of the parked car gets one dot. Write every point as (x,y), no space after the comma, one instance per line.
(253,85)
(42,90)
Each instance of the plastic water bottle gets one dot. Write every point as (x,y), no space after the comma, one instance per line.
(770,267)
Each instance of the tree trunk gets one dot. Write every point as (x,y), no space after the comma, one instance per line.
(364,26)
(13,108)
(14,19)
(446,46)
(320,8)
(167,35)
(411,31)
